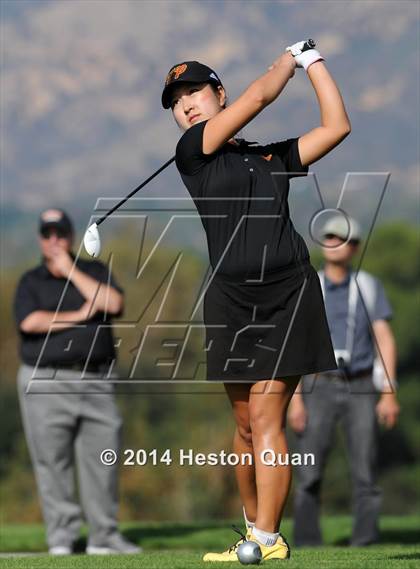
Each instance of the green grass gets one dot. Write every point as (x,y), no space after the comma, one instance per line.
(181,546)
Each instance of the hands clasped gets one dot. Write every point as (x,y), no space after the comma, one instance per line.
(304,57)
(299,54)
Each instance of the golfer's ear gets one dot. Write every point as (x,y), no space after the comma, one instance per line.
(222,95)
(220,128)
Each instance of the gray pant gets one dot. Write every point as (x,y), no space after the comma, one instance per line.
(66,423)
(353,402)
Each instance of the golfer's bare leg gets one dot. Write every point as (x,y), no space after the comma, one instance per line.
(242,443)
(268,403)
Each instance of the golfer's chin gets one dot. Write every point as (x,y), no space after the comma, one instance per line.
(195,121)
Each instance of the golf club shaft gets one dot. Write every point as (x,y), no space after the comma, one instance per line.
(119,204)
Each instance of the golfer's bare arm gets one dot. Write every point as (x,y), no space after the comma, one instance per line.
(220,128)
(335,125)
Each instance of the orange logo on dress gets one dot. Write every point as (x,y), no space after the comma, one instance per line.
(268,157)
(175,73)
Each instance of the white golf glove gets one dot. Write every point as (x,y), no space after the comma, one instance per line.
(304,58)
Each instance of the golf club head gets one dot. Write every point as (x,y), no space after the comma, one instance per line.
(92,241)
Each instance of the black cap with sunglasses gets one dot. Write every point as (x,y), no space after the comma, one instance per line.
(55,220)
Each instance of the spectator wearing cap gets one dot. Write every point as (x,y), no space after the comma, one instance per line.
(358,315)
(63,310)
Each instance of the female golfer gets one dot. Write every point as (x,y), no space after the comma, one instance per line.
(263,309)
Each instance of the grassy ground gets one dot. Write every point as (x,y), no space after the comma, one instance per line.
(181,546)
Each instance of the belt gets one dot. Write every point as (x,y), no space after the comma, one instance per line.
(79,366)
(349,376)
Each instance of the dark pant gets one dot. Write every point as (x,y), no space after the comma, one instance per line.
(353,402)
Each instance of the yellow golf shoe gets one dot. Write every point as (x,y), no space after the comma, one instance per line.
(230,553)
(280,550)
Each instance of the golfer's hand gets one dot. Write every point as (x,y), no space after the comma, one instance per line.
(387,410)
(303,58)
(61,261)
(286,60)
(297,415)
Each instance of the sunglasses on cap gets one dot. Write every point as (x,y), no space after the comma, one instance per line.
(333,236)
(46,232)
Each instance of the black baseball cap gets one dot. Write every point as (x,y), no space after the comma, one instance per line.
(55,219)
(188,72)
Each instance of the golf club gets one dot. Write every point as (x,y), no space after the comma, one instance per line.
(91,239)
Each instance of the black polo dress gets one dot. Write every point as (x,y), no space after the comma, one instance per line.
(263,309)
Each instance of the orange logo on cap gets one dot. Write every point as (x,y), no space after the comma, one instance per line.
(268,157)
(175,73)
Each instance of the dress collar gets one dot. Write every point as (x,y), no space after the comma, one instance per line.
(242,145)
